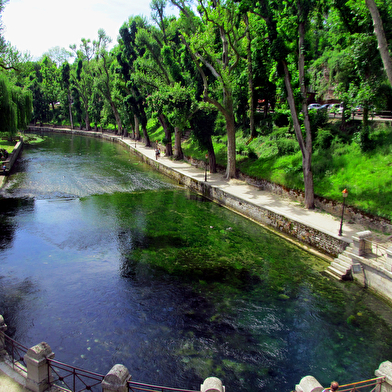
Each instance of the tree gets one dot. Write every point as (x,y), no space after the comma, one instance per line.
(220,56)
(126,57)
(381,38)
(66,83)
(286,23)
(104,80)
(15,107)
(50,82)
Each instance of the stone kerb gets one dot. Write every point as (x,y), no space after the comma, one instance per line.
(116,380)
(38,371)
(362,243)
(212,384)
(385,370)
(308,384)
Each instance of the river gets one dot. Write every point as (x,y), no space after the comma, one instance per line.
(110,262)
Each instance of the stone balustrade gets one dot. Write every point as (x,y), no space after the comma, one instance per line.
(384,372)
(38,372)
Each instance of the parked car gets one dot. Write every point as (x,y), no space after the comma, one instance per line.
(314,106)
(324,107)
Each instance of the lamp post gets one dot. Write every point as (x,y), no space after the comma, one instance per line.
(205,170)
(344,194)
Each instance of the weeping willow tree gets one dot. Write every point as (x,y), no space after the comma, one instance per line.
(15,107)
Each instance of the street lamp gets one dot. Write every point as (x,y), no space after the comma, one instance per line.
(344,194)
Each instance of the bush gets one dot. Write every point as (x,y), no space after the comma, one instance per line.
(324,139)
(365,141)
(252,154)
(281,119)
(287,146)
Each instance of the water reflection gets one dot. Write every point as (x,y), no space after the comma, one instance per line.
(122,266)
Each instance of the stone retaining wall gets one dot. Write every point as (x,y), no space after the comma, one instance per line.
(323,242)
(332,207)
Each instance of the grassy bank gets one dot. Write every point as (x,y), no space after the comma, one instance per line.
(354,159)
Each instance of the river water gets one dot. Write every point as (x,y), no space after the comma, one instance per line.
(110,262)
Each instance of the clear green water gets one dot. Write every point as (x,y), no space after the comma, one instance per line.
(110,262)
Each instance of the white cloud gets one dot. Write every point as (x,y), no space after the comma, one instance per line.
(36,26)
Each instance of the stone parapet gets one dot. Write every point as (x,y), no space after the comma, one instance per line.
(362,243)
(212,384)
(38,371)
(308,384)
(385,370)
(116,380)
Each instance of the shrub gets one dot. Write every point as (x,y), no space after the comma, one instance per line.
(252,154)
(324,139)
(365,141)
(287,146)
(281,119)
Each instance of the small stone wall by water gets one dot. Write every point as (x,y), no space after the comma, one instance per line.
(332,207)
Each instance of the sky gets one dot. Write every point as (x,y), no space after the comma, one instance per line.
(35,26)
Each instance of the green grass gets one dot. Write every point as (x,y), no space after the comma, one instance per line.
(367,175)
(7,145)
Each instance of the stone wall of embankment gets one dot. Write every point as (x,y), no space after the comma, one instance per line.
(327,244)
(333,207)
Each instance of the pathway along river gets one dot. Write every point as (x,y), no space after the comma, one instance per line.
(110,262)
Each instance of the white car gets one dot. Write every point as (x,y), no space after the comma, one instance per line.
(314,106)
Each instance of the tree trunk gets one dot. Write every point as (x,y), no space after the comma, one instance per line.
(70,109)
(251,88)
(168,135)
(230,129)
(137,128)
(365,119)
(178,154)
(306,157)
(211,155)
(145,134)
(87,120)
(382,41)
(116,116)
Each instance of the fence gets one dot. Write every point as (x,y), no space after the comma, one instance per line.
(42,372)
(371,385)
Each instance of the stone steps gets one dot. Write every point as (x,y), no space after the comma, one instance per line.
(340,268)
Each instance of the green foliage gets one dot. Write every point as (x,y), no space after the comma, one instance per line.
(15,107)
(287,146)
(282,118)
(324,139)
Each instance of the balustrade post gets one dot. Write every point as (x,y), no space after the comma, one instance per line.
(362,243)
(385,370)
(116,380)
(388,261)
(3,328)
(308,384)
(38,371)
(212,384)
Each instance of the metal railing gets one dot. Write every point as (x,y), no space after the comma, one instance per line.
(16,352)
(374,384)
(137,386)
(70,378)
(377,251)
